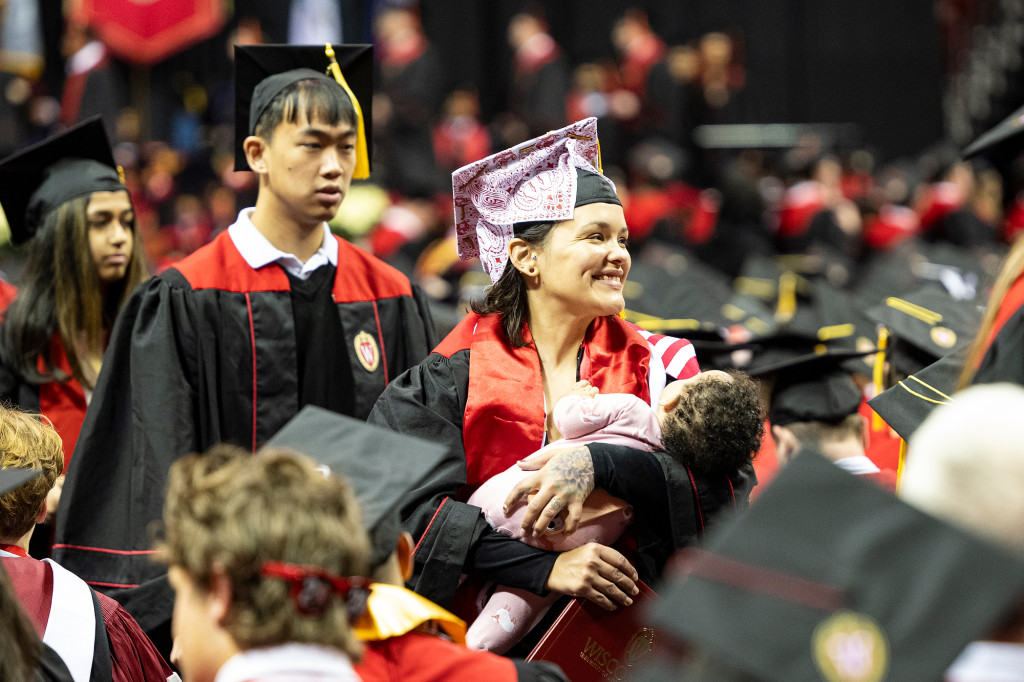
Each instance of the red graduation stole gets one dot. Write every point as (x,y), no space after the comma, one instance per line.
(1011,303)
(504,420)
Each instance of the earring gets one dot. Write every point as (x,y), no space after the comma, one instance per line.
(534,257)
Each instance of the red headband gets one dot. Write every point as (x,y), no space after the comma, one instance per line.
(311,587)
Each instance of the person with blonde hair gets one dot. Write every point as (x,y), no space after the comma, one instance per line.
(92,634)
(997,353)
(268,561)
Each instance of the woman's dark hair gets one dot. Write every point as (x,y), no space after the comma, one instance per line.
(20,648)
(316,98)
(60,293)
(507,296)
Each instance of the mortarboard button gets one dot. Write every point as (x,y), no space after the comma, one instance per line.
(925,326)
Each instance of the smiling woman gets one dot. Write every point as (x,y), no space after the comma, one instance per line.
(549,229)
(65,197)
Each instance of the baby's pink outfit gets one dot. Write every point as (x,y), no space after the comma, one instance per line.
(614,418)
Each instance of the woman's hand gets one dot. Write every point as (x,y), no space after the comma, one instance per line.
(564,480)
(594,572)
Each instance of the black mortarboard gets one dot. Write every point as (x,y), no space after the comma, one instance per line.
(263,71)
(906,404)
(771,280)
(670,292)
(924,326)
(813,388)
(11,478)
(851,582)
(1001,135)
(382,466)
(38,179)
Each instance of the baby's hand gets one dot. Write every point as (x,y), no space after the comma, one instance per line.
(584,390)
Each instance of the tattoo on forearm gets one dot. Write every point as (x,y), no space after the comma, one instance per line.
(574,472)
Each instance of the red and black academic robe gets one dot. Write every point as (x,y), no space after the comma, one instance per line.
(95,638)
(407,638)
(61,401)
(419,657)
(206,353)
(485,401)
(1004,358)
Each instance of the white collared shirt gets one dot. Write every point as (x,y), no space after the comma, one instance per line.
(288,663)
(257,250)
(988,662)
(858,465)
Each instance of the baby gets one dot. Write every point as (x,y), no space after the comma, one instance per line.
(585,416)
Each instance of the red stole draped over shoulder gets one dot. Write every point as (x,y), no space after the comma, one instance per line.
(63,402)
(504,419)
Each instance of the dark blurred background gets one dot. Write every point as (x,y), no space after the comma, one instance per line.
(733,129)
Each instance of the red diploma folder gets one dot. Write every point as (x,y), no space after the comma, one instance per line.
(589,643)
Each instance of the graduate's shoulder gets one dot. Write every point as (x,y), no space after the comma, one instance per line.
(219,265)
(364,277)
(458,341)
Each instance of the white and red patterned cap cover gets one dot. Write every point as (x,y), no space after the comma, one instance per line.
(533,181)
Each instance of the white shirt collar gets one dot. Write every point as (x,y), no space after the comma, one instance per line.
(858,464)
(257,250)
(288,662)
(988,662)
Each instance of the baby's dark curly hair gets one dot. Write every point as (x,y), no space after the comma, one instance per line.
(717,425)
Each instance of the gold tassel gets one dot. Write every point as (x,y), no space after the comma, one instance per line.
(362,169)
(786,306)
(877,424)
(899,466)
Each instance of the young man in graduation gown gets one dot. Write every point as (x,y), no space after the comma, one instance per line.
(404,635)
(815,408)
(226,346)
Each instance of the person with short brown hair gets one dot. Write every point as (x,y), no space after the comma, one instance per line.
(268,558)
(91,633)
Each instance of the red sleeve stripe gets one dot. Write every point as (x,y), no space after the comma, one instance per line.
(97,583)
(127,552)
(427,529)
(677,355)
(252,336)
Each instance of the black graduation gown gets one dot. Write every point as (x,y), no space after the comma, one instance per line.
(1004,359)
(202,354)
(452,537)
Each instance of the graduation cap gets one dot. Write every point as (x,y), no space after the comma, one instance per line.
(382,466)
(828,327)
(540,180)
(925,326)
(263,71)
(11,478)
(812,388)
(40,178)
(1001,136)
(851,582)
(906,404)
